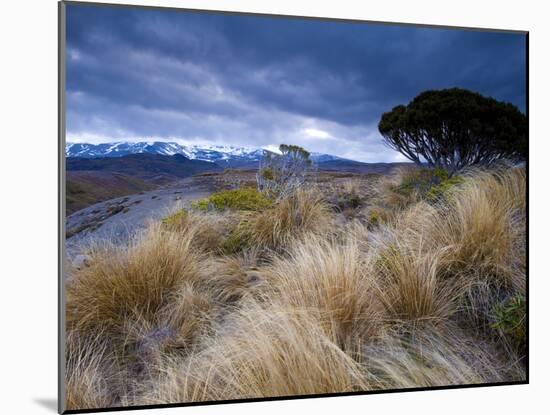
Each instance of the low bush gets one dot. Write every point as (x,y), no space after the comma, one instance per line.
(511,321)
(424,183)
(420,180)
(347,196)
(282,174)
(246,198)
(437,191)
(239,238)
(176,220)
(377,216)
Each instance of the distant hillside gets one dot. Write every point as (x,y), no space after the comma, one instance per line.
(91,180)
(94,180)
(85,188)
(150,167)
(358,167)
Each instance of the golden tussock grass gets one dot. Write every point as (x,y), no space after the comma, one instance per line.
(142,299)
(261,352)
(410,282)
(435,356)
(88,376)
(385,189)
(302,213)
(127,282)
(231,277)
(332,281)
(302,305)
(478,232)
(484,225)
(210,230)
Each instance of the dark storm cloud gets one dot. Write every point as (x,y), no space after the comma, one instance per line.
(136,73)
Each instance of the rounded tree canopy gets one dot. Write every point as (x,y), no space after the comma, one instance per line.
(455,128)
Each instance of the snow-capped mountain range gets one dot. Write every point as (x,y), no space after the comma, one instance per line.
(213,153)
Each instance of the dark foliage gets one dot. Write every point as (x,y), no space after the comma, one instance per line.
(455,128)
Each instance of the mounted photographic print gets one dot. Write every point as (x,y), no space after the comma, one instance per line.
(264,207)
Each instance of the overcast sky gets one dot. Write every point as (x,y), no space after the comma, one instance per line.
(140,74)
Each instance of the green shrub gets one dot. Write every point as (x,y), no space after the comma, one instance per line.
(236,241)
(355,201)
(349,200)
(239,237)
(374,218)
(429,184)
(421,181)
(246,198)
(387,258)
(176,220)
(267,173)
(346,201)
(439,190)
(510,320)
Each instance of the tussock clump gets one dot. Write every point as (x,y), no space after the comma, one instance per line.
(411,284)
(397,190)
(230,278)
(302,213)
(176,328)
(210,231)
(141,299)
(261,353)
(134,281)
(347,195)
(332,281)
(434,356)
(471,244)
(405,187)
(88,375)
(484,224)
(481,224)
(290,218)
(389,196)
(246,198)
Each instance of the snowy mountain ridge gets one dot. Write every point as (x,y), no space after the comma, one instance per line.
(207,152)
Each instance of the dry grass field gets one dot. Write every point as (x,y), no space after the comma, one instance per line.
(351,283)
